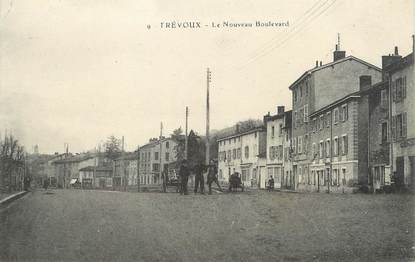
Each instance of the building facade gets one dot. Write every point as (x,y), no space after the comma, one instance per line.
(400,75)
(242,153)
(313,94)
(276,143)
(156,157)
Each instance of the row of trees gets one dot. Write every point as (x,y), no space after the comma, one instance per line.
(12,164)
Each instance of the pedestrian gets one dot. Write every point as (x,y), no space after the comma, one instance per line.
(45,184)
(212,176)
(199,169)
(184,177)
(271,184)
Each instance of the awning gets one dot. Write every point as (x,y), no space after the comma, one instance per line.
(73,181)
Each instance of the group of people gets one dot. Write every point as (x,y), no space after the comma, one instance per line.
(198,170)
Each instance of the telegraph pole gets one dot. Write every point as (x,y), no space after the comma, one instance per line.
(185,139)
(208,80)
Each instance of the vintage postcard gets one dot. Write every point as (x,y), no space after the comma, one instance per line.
(268,130)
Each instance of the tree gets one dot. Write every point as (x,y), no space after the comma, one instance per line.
(11,162)
(179,148)
(112,147)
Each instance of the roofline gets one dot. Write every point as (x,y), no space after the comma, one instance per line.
(350,57)
(241,134)
(335,103)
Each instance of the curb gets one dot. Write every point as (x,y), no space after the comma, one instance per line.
(13,197)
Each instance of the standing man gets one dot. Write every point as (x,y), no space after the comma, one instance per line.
(212,176)
(184,177)
(199,169)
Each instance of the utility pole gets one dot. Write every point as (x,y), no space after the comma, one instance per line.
(185,139)
(208,80)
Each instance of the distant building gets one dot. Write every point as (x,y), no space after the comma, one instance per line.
(156,157)
(125,170)
(67,169)
(96,177)
(242,153)
(275,153)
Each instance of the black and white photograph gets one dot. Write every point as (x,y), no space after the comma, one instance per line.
(207,130)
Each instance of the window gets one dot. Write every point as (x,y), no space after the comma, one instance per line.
(246,151)
(328,119)
(320,149)
(321,122)
(295,119)
(301,91)
(300,144)
(384,132)
(314,125)
(384,98)
(234,153)
(234,140)
(167,144)
(295,145)
(301,116)
(306,113)
(399,89)
(295,95)
(328,148)
(156,155)
(336,115)
(344,145)
(156,167)
(238,153)
(272,131)
(313,149)
(280,130)
(167,156)
(336,146)
(399,126)
(305,144)
(345,113)
(306,87)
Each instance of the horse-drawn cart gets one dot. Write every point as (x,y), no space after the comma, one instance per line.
(235,182)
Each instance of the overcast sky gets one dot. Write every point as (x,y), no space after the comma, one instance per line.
(78,71)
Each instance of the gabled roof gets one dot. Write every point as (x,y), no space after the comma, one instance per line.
(256,129)
(73,159)
(310,71)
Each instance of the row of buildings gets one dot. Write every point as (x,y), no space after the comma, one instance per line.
(351,125)
(96,170)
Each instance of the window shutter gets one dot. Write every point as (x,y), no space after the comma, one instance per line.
(346,114)
(346,146)
(404,87)
(404,124)
(393,128)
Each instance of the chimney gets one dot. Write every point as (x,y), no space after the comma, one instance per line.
(237,128)
(316,63)
(321,63)
(365,82)
(280,110)
(390,59)
(337,54)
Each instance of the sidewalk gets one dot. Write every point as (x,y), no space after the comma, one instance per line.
(7,198)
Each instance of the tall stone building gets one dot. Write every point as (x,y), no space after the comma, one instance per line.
(315,95)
